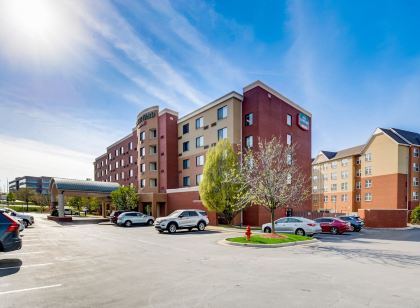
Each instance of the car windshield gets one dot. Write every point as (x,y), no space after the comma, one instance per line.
(175,214)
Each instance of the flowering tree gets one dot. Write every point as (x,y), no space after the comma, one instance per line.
(273,178)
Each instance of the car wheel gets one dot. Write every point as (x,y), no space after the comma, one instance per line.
(172,228)
(358,229)
(267,230)
(352,228)
(334,230)
(160,231)
(150,222)
(26,223)
(300,232)
(201,226)
(128,223)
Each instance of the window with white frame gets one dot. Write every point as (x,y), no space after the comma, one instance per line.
(344,174)
(344,162)
(222,112)
(315,188)
(334,199)
(130,146)
(416,152)
(358,185)
(249,119)
(416,167)
(368,197)
(131,159)
(152,149)
(415,195)
(153,166)
(199,142)
(368,157)
(289,120)
(110,167)
(152,182)
(359,172)
(358,197)
(368,170)
(142,136)
(116,153)
(142,167)
(122,175)
(289,179)
(325,199)
(116,165)
(199,160)
(358,161)
(199,122)
(333,187)
(289,159)
(325,177)
(325,187)
(415,181)
(122,162)
(222,133)
(143,183)
(249,141)
(131,173)
(344,186)
(289,139)
(198,178)
(315,178)
(152,133)
(142,152)
(110,156)
(333,176)
(368,183)
(117,177)
(334,165)
(344,198)
(122,150)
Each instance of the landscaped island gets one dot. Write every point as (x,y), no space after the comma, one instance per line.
(269,239)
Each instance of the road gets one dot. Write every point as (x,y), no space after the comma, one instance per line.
(101,265)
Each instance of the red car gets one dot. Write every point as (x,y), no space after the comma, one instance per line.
(333,225)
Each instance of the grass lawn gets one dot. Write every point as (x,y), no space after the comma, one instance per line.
(261,239)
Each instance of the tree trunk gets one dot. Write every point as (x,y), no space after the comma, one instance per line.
(273,231)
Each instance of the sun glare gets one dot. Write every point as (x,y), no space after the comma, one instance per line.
(40,30)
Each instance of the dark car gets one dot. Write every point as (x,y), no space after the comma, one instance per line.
(333,225)
(114,216)
(355,224)
(9,233)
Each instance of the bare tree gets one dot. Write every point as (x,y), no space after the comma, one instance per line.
(273,177)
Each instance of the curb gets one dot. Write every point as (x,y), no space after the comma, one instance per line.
(225,242)
(392,229)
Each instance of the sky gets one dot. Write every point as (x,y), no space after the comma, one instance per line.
(74,74)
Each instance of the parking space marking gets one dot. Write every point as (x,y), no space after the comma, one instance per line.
(30,289)
(25,266)
(24,253)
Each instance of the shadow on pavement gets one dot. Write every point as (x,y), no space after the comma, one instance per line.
(412,235)
(9,266)
(193,232)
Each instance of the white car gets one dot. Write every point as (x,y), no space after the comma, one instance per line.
(27,219)
(182,219)
(128,219)
(295,225)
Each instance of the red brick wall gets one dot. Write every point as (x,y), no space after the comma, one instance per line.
(188,200)
(383,218)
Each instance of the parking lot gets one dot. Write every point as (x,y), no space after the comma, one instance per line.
(101,265)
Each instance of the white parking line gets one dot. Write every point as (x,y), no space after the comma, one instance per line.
(31,289)
(24,253)
(25,266)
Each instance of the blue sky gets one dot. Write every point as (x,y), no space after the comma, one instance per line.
(74,74)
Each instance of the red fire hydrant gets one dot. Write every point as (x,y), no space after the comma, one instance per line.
(248,233)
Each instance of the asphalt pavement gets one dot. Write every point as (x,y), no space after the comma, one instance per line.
(102,265)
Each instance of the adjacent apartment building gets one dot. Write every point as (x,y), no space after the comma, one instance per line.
(381,174)
(40,184)
(164,155)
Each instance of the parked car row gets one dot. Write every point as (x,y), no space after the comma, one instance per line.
(305,226)
(181,219)
(9,233)
(26,219)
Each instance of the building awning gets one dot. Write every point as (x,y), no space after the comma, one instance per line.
(70,185)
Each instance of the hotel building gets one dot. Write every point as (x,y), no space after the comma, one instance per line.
(164,155)
(382,174)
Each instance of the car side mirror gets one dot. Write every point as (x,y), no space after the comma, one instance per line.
(13,214)
(180,216)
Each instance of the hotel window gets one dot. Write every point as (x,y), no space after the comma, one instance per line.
(199,142)
(122,150)
(315,177)
(122,163)
(344,198)
(359,172)
(289,139)
(222,133)
(142,167)
(368,170)
(368,157)
(325,188)
(110,178)
(130,146)
(315,189)
(289,179)
(131,173)
(185,146)
(106,161)
(325,199)
(153,183)
(142,152)
(185,128)
(102,173)
(142,136)
(142,183)
(358,198)
(368,183)
(117,177)
(289,120)
(344,174)
(358,184)
(131,159)
(199,122)
(358,161)
(185,164)
(249,141)
(415,195)
(116,165)
(416,152)
(289,159)
(334,165)
(102,163)
(249,119)
(153,166)
(110,156)
(334,199)
(333,187)
(198,178)
(199,160)
(152,133)
(122,175)
(415,181)
(131,185)
(333,176)
(325,177)
(344,186)
(186,181)
(152,149)
(222,113)
(416,167)
(344,162)
(368,197)
(116,153)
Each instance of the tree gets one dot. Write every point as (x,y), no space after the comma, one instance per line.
(415,215)
(218,191)
(10,197)
(75,203)
(273,177)
(125,198)
(42,200)
(94,204)
(26,195)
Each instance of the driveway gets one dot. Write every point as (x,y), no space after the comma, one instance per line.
(91,265)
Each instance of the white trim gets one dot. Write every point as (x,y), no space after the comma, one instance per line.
(182,189)
(119,141)
(167,110)
(214,103)
(258,83)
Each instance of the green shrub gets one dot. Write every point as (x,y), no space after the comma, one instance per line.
(415,215)
(22,208)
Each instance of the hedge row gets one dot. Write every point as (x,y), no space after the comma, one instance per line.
(22,208)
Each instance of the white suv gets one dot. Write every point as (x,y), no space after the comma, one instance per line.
(182,219)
